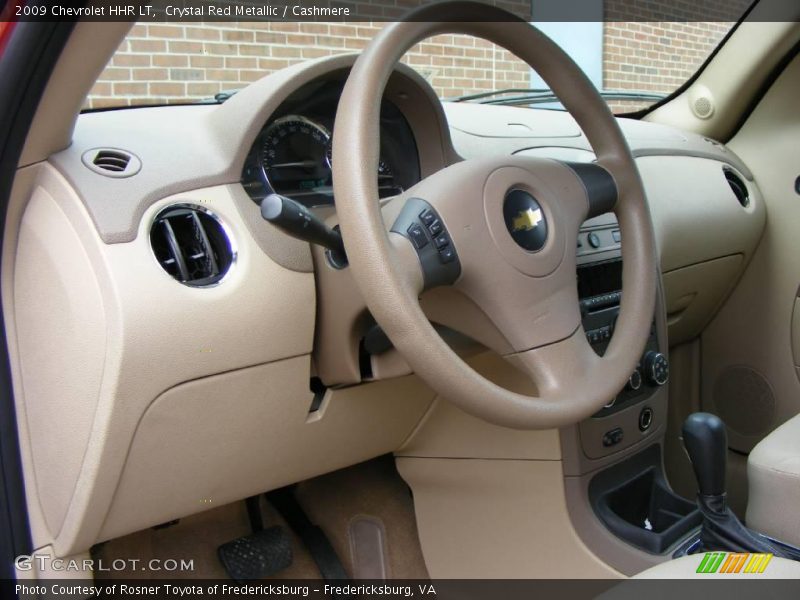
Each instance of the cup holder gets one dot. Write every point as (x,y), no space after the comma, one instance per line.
(640,508)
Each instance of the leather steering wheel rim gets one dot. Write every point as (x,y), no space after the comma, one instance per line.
(572,381)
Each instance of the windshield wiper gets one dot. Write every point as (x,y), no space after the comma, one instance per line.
(219,97)
(489,95)
(542,97)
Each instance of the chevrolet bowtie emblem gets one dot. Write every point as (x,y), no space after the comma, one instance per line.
(527,219)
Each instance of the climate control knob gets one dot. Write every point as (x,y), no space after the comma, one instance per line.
(635,380)
(656,368)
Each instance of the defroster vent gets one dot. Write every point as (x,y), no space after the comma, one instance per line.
(192,245)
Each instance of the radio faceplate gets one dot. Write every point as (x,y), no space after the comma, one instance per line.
(600,293)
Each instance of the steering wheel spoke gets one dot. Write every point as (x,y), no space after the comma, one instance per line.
(567,369)
(407,264)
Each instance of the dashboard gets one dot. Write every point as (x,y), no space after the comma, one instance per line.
(281,313)
(293,153)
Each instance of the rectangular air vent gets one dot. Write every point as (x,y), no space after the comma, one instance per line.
(111,162)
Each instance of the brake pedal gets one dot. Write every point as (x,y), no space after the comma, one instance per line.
(257,555)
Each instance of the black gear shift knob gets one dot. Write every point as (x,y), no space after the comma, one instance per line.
(706,443)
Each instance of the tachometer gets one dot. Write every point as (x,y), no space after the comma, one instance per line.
(293,154)
(386,183)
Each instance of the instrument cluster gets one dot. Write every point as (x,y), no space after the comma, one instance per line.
(293,155)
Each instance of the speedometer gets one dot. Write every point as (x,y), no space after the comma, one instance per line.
(293,154)
(292,157)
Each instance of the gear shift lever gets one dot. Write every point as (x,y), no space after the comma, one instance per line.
(706,443)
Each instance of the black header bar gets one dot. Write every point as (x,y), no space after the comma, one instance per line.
(396,10)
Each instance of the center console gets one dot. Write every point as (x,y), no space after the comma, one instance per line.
(600,292)
(619,500)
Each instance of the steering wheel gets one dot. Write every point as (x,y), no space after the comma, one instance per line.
(502,230)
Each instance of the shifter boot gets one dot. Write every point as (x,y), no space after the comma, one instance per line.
(722,530)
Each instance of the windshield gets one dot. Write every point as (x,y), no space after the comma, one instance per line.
(634,63)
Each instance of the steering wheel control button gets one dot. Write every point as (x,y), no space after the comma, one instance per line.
(656,368)
(525,220)
(613,437)
(441,240)
(417,236)
(439,260)
(427,217)
(594,240)
(436,227)
(447,255)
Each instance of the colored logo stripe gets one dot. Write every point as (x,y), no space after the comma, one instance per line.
(733,562)
(758,563)
(711,562)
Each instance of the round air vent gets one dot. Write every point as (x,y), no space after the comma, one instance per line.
(192,245)
(738,187)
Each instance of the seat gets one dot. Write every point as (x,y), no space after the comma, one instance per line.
(686,568)
(773,473)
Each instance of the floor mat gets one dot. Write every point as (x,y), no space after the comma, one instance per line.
(195,538)
(371,490)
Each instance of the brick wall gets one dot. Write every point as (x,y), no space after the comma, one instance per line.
(655,57)
(170,63)
(167,63)
(660,55)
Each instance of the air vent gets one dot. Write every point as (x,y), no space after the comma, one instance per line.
(192,245)
(737,186)
(112,162)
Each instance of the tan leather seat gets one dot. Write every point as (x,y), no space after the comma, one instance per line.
(773,473)
(686,568)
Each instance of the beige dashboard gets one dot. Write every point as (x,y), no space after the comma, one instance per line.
(156,400)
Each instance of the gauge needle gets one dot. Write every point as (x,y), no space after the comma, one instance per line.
(299,163)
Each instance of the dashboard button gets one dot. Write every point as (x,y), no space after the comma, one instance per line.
(613,437)
(441,240)
(594,240)
(615,234)
(435,228)
(645,419)
(417,236)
